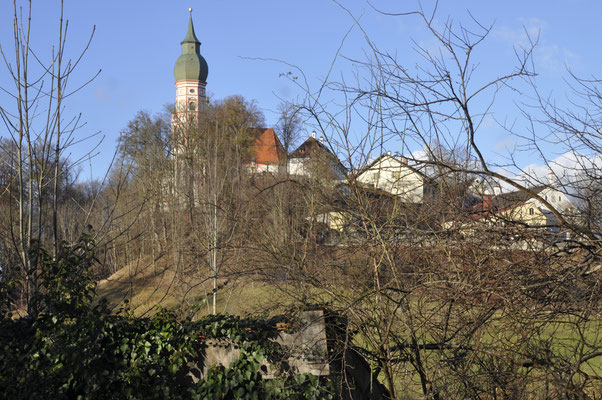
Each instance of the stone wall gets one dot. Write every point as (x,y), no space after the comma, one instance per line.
(310,351)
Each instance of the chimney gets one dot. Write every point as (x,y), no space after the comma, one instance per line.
(487,202)
(313,134)
(404,160)
(322,139)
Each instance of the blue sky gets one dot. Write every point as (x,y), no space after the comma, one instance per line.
(136,44)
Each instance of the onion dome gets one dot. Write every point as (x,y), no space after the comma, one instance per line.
(191,66)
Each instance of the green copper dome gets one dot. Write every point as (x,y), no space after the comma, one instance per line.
(191,66)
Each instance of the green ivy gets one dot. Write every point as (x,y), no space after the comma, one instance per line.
(74,349)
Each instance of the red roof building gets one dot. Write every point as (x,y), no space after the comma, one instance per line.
(267,153)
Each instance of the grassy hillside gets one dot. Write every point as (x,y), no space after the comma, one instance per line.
(145,287)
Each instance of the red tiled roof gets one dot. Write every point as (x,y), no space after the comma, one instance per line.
(492,205)
(482,210)
(267,148)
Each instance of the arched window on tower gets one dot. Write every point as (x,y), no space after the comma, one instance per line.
(192,106)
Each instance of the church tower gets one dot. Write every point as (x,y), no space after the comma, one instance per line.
(190,73)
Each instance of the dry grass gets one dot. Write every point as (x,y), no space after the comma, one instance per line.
(146,287)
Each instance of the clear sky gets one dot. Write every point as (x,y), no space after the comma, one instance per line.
(136,44)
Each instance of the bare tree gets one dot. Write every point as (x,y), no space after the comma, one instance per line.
(39,136)
(289,125)
(441,311)
(213,149)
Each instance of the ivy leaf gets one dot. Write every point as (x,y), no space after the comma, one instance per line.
(173,368)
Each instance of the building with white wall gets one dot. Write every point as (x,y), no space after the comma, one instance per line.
(393,175)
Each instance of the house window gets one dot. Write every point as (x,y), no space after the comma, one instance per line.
(192,106)
(396,174)
(375,176)
(531,211)
(558,198)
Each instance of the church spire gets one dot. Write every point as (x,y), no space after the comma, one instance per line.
(191,66)
(190,35)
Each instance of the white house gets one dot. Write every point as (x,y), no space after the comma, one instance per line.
(557,199)
(395,176)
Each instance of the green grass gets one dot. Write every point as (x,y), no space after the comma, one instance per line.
(567,338)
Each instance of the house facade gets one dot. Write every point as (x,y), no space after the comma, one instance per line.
(313,159)
(393,175)
(533,211)
(519,210)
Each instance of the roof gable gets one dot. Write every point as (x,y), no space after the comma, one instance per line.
(267,148)
(314,148)
(382,159)
(310,148)
(509,199)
